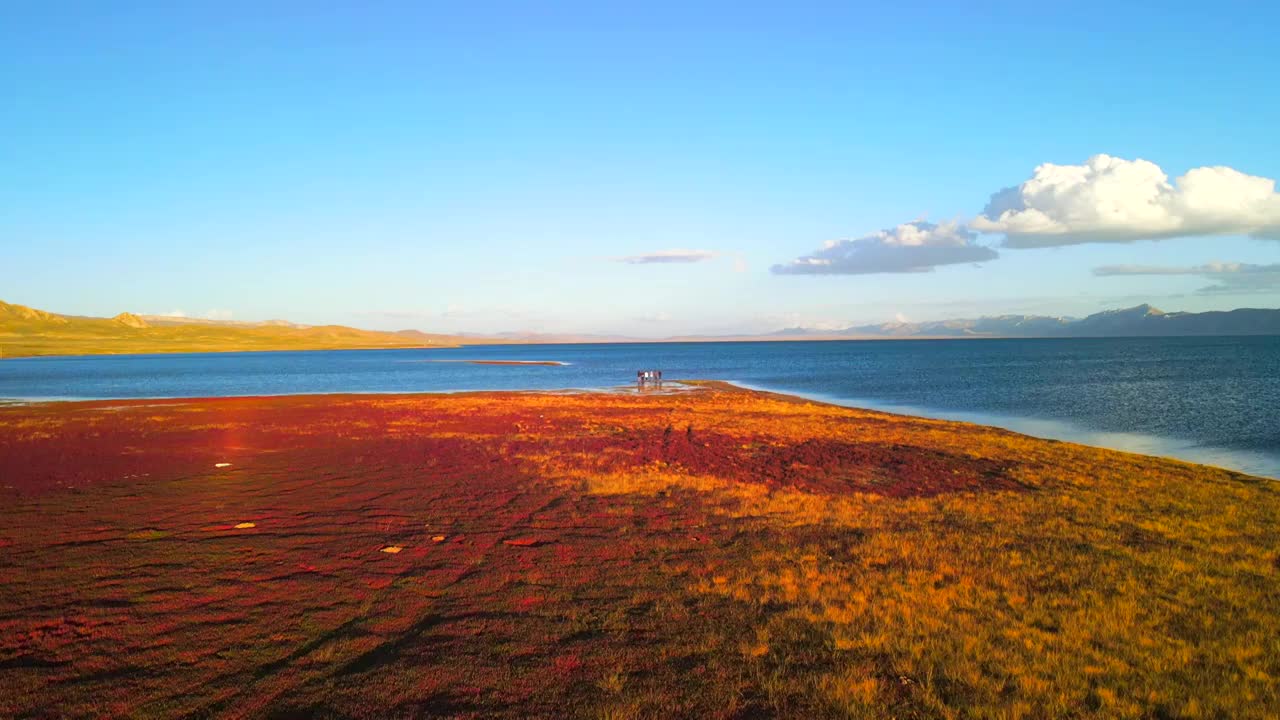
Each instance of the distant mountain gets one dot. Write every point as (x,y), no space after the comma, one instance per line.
(798,332)
(1142,320)
(23,315)
(1245,321)
(130,320)
(26,331)
(996,326)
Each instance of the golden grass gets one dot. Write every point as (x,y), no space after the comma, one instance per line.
(25,332)
(1114,585)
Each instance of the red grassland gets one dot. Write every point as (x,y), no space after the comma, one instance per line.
(713,553)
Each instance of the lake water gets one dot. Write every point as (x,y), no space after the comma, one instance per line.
(1210,400)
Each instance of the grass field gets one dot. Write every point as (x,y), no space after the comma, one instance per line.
(714,553)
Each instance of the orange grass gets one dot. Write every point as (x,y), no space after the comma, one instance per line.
(715,553)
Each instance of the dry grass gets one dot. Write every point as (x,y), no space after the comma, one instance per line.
(26,332)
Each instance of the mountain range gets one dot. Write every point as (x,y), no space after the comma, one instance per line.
(26,331)
(1139,321)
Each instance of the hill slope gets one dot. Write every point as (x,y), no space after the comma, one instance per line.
(26,331)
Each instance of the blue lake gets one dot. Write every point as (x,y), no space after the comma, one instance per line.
(1212,400)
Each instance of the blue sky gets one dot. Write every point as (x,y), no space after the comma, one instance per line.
(490,166)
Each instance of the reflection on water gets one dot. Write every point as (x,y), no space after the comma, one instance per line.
(1246,461)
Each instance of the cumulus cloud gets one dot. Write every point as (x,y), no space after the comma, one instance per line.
(1110,199)
(668,256)
(1230,277)
(911,247)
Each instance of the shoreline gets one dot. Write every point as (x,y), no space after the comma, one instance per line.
(1025,427)
(745,340)
(1143,444)
(1227,429)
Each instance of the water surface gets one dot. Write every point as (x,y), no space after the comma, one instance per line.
(1211,400)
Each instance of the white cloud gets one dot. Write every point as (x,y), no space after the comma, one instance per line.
(911,247)
(668,256)
(451,313)
(1110,199)
(1230,277)
(214,314)
(772,322)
